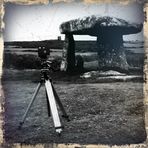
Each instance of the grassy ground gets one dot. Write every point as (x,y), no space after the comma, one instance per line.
(100,112)
(106,113)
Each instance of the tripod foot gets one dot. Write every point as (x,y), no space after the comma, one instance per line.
(59,130)
(20,126)
(59,134)
(66,117)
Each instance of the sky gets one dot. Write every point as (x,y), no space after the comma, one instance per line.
(41,22)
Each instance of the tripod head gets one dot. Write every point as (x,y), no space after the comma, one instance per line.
(43,52)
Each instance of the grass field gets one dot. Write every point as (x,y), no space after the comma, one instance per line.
(106,113)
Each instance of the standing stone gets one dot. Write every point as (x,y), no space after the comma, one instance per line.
(68,62)
(111,54)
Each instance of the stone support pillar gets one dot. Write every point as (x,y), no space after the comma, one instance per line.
(111,54)
(68,63)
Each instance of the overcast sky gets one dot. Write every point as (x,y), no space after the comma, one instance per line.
(41,22)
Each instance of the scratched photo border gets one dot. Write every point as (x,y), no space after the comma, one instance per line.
(54,145)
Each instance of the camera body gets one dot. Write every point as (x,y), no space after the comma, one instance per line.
(43,52)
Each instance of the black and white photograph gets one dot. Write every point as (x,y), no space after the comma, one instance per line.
(74,73)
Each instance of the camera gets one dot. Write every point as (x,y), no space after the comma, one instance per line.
(43,52)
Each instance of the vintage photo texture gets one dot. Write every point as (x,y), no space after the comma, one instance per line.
(96,59)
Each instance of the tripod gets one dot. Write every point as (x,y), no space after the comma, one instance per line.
(52,98)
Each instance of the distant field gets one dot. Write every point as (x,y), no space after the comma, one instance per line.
(81,46)
(19,56)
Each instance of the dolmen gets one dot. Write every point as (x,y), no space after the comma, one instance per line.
(109,32)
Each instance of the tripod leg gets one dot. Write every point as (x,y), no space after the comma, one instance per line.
(60,103)
(29,106)
(48,106)
(53,107)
